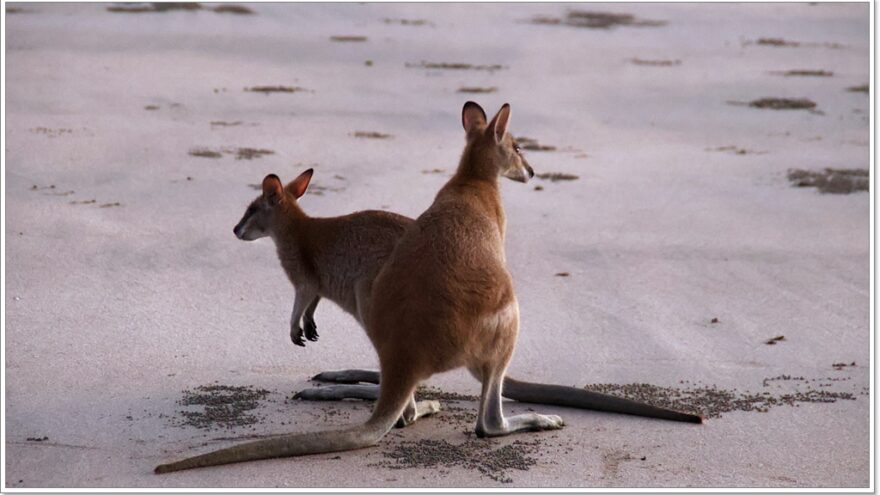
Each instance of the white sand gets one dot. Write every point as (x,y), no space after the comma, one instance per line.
(112,312)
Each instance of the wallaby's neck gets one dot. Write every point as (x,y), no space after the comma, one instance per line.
(474,167)
(476,181)
(288,221)
(291,235)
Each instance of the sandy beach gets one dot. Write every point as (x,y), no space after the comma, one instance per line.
(686,239)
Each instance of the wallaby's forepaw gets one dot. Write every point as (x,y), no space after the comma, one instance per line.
(311,329)
(296,335)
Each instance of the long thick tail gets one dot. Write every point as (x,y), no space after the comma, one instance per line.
(283,446)
(392,400)
(558,395)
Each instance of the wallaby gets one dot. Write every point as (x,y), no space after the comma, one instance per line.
(443,300)
(338,258)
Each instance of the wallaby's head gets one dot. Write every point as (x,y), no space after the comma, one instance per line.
(262,214)
(490,147)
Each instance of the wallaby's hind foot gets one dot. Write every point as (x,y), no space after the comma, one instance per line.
(492,423)
(339,392)
(415,410)
(348,376)
(518,423)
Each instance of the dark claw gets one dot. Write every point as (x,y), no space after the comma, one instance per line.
(297,337)
(311,330)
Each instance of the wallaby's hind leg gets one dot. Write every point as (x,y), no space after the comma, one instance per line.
(348,376)
(491,421)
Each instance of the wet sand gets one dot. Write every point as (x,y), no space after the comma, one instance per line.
(662,254)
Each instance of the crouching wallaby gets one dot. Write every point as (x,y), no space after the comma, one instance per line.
(443,299)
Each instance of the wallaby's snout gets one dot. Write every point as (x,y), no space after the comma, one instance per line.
(240,230)
(252,225)
(521,173)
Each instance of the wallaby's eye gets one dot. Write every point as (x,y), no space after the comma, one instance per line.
(516,147)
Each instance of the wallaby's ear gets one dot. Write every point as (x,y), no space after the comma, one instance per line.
(272,188)
(498,126)
(472,116)
(298,186)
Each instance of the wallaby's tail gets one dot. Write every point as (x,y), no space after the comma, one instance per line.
(284,446)
(389,407)
(558,395)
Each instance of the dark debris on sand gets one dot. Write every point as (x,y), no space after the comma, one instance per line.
(455,66)
(476,455)
(228,8)
(713,402)
(477,89)
(205,153)
(140,8)
(240,153)
(223,406)
(531,144)
(250,153)
(159,7)
(776,42)
(655,63)
(431,393)
(805,73)
(596,20)
(831,180)
(736,150)
(371,135)
(408,22)
(348,39)
(780,42)
(556,176)
(783,103)
(275,89)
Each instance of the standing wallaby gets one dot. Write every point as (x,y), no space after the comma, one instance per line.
(444,299)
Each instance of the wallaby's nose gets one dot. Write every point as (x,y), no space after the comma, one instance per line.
(530,171)
(235,230)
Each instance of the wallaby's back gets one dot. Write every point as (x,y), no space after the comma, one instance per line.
(348,251)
